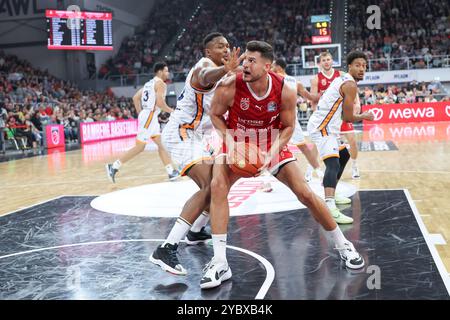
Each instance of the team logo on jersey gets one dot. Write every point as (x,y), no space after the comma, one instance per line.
(324,82)
(245,103)
(271,106)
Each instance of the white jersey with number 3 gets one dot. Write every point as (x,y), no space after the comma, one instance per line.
(327,119)
(148,99)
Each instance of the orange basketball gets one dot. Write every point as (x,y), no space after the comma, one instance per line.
(246,160)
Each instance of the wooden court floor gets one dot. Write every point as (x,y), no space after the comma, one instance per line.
(421,164)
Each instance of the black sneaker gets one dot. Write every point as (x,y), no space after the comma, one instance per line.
(166,258)
(202,236)
(111,172)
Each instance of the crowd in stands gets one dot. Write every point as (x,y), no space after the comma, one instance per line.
(405,93)
(284,23)
(31,98)
(139,52)
(411,33)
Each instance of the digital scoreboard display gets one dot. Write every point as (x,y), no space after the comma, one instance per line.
(78,30)
(321,29)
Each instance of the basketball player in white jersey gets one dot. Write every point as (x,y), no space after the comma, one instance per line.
(320,83)
(185,137)
(148,101)
(336,105)
(279,66)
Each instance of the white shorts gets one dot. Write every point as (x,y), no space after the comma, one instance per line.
(148,124)
(328,146)
(297,138)
(187,151)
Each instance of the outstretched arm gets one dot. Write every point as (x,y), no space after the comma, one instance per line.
(349,91)
(208,73)
(301,90)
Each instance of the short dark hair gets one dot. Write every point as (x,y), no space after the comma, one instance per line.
(262,47)
(355,55)
(210,37)
(159,66)
(281,63)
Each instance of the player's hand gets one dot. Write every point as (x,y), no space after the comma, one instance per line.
(267,159)
(234,60)
(368,116)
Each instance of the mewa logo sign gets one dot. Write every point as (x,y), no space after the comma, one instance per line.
(414,112)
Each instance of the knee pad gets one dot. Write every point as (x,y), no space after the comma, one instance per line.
(331,172)
(344,156)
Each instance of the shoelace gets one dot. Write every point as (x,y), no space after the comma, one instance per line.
(209,265)
(173,259)
(351,252)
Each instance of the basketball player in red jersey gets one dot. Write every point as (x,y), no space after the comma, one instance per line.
(258,103)
(319,84)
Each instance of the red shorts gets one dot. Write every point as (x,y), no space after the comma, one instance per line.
(285,156)
(347,127)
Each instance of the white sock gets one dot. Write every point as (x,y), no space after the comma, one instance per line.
(319,172)
(169,169)
(220,246)
(201,221)
(337,237)
(354,163)
(178,232)
(331,203)
(117,164)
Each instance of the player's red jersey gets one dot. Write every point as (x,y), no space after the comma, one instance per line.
(324,81)
(255,116)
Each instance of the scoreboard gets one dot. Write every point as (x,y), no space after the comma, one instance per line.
(77,30)
(321,29)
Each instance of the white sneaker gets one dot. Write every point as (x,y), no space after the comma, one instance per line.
(339,217)
(352,258)
(214,273)
(355,172)
(341,199)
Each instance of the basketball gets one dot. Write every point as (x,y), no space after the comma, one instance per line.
(246,160)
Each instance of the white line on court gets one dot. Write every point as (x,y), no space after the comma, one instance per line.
(437,259)
(28,207)
(270,272)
